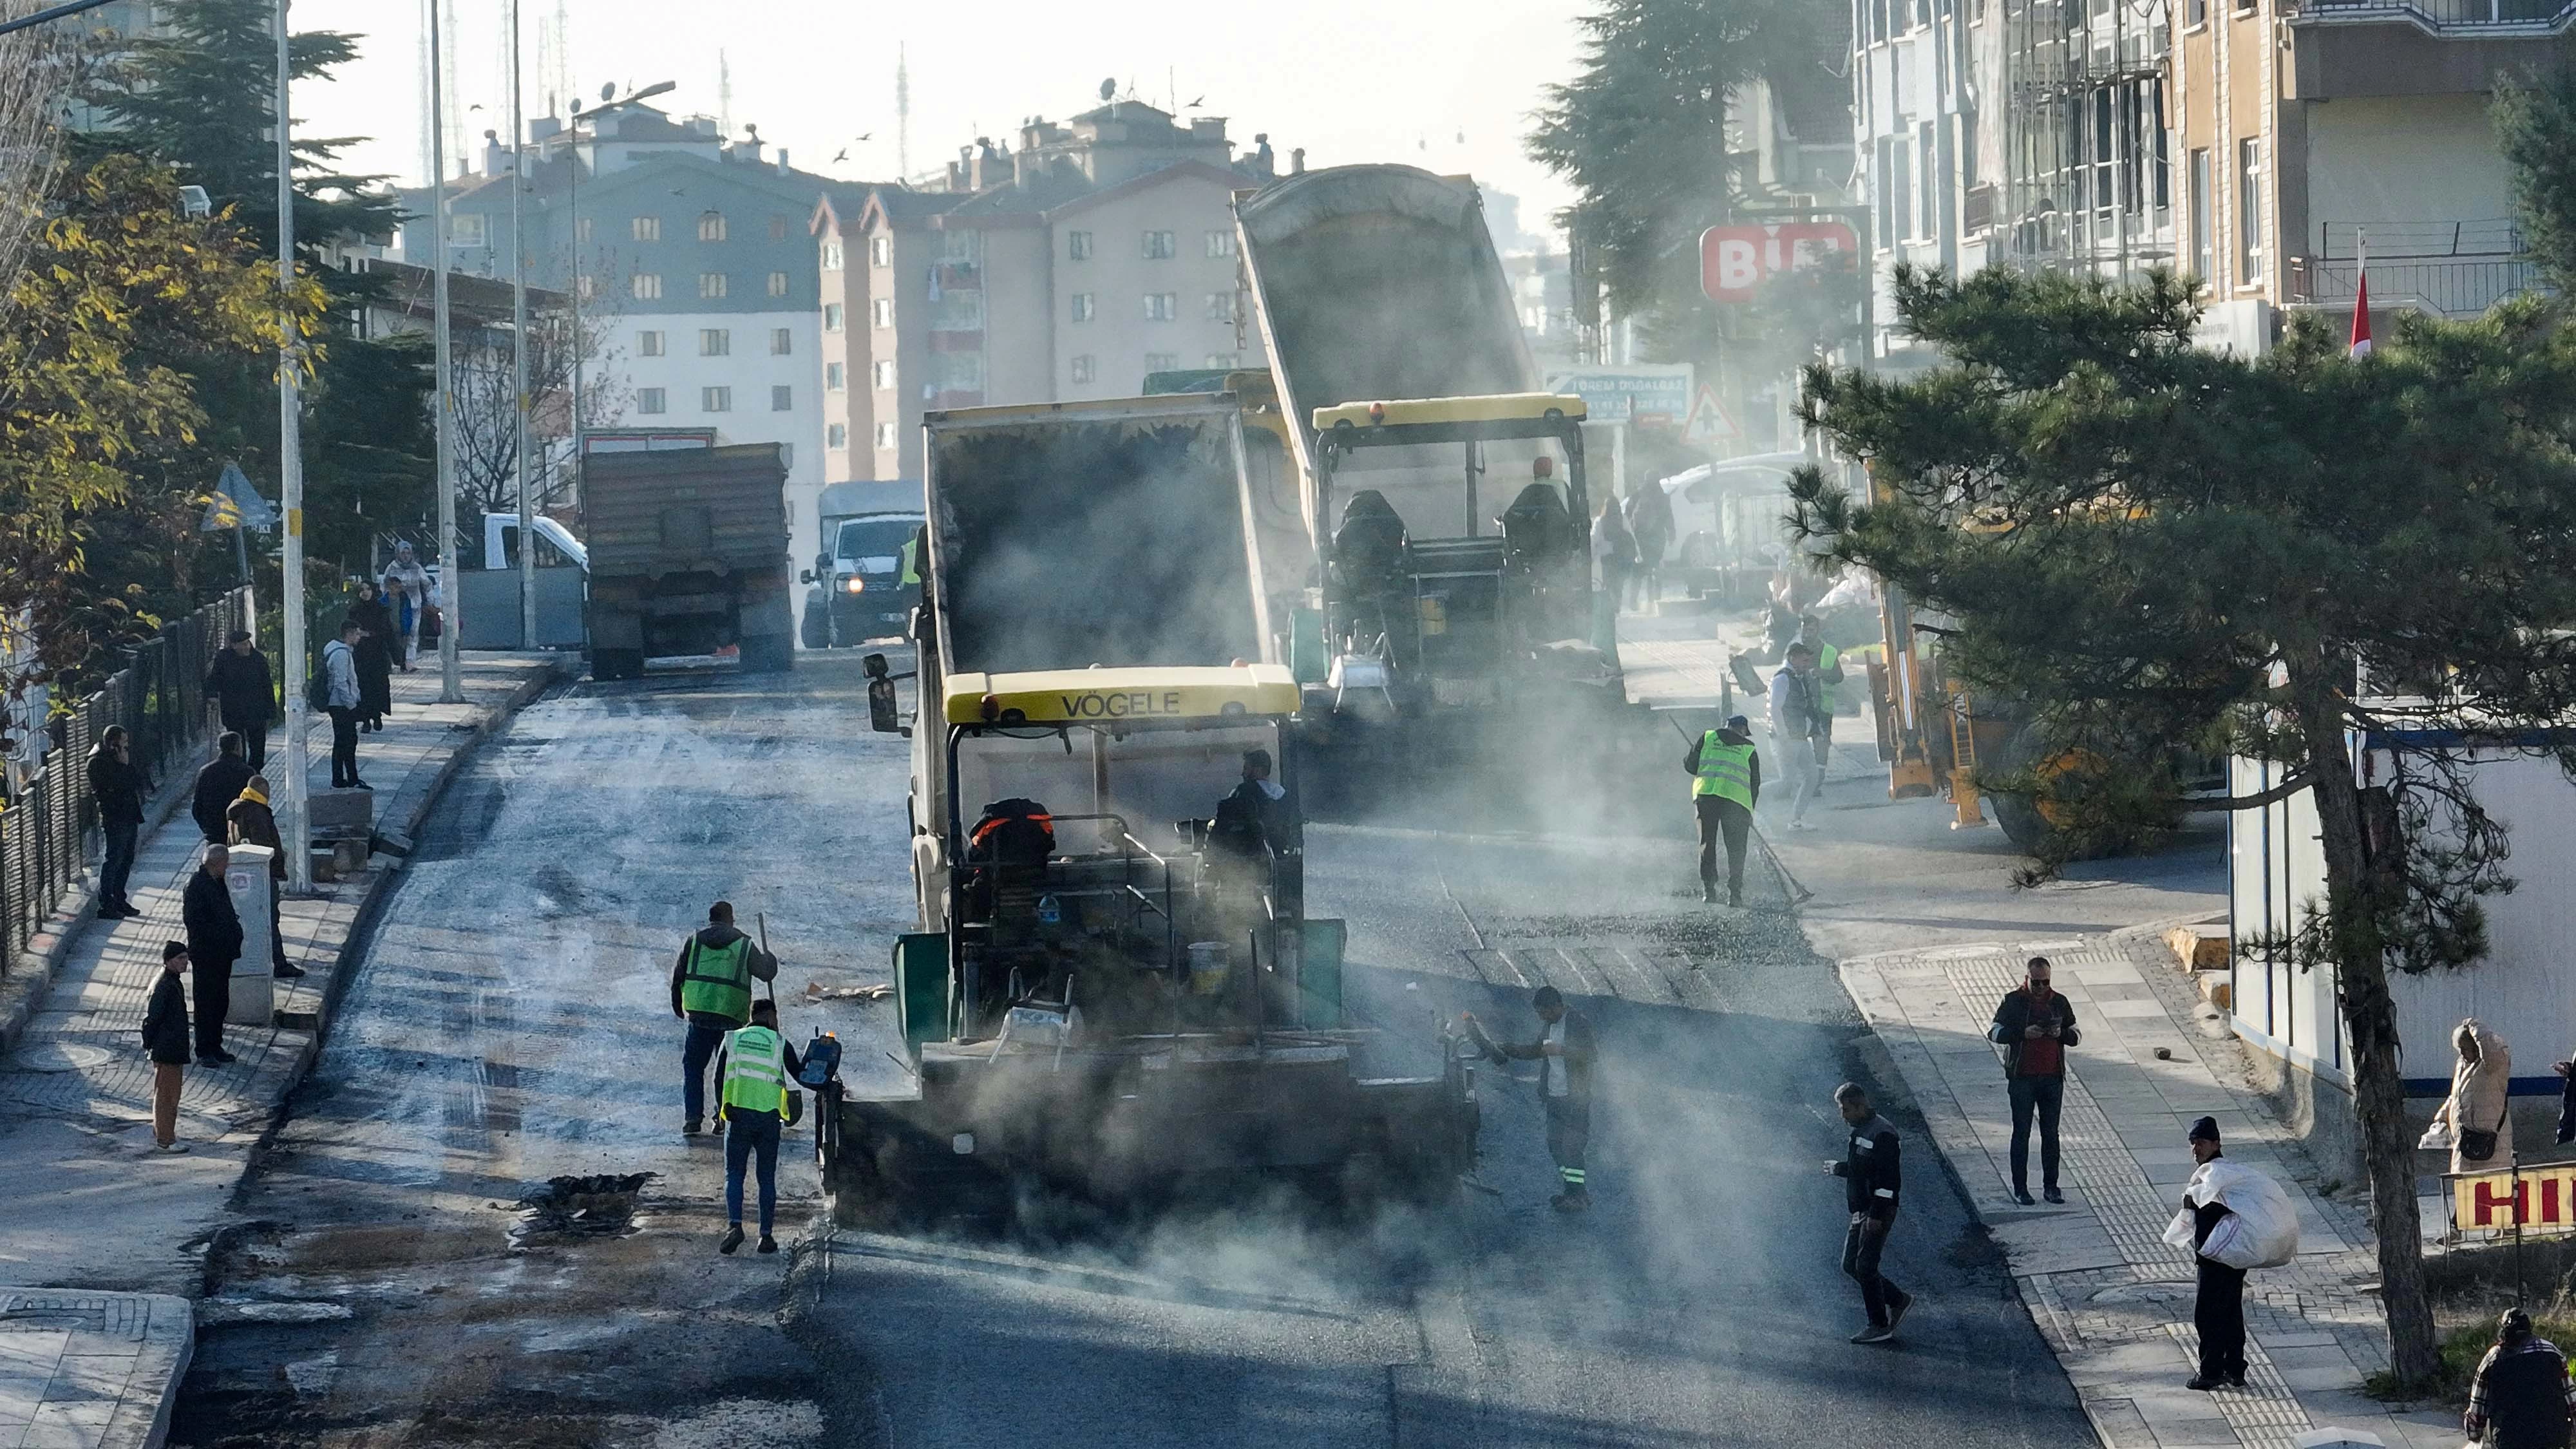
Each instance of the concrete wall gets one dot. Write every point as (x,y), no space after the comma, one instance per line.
(1018,315)
(2412,159)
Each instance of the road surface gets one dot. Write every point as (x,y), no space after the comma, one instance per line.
(512,1024)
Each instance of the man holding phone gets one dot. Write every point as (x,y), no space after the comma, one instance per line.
(2035,1025)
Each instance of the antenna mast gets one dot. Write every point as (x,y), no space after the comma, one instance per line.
(724,96)
(902,116)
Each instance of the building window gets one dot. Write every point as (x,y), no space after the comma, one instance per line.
(711,284)
(1220,244)
(1086,305)
(1085,367)
(1162,306)
(647,228)
(836,435)
(2195,12)
(835,377)
(2249,212)
(648,400)
(782,399)
(881,312)
(956,372)
(1900,182)
(1077,246)
(831,316)
(581,230)
(2163,144)
(782,342)
(881,374)
(715,342)
(1927,221)
(885,435)
(1162,246)
(1162,361)
(648,344)
(1220,306)
(2203,228)
(778,228)
(778,284)
(466,229)
(831,256)
(711,226)
(647,286)
(1220,359)
(880,251)
(715,399)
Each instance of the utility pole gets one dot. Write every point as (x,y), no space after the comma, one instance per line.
(451,687)
(519,343)
(297,837)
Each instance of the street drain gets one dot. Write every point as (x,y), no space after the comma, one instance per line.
(598,1205)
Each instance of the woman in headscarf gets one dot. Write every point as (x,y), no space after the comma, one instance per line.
(2478,1111)
(375,657)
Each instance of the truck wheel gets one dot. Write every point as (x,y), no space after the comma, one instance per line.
(816,631)
(606,664)
(767,654)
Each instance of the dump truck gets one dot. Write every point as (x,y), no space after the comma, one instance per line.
(1449,613)
(688,555)
(1115,988)
(860,587)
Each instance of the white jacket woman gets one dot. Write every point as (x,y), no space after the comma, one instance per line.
(2478,1103)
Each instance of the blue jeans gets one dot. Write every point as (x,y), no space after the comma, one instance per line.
(746,1132)
(695,1054)
(118,865)
(2039,1097)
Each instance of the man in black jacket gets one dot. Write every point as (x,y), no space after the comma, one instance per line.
(214,943)
(165,1040)
(1564,1053)
(1872,1179)
(120,789)
(219,784)
(2521,1389)
(245,695)
(2218,1307)
(2034,1025)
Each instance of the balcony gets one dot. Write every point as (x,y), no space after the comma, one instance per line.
(2359,48)
(2450,269)
(2449,17)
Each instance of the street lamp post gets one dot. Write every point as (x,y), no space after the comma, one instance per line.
(519,343)
(297,837)
(572,128)
(451,683)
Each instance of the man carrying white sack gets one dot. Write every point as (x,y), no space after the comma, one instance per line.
(2233,1219)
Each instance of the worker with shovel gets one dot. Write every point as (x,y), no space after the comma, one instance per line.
(711,991)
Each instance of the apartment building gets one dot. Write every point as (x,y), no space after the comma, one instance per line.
(2027,133)
(2306,129)
(690,261)
(1099,250)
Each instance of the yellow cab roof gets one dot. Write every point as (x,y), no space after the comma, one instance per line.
(1496,408)
(1149,695)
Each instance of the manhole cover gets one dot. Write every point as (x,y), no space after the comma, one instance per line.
(60,1056)
(2143,1293)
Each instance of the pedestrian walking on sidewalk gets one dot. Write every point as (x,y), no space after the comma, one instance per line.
(245,695)
(219,784)
(2035,1025)
(120,788)
(711,991)
(165,1040)
(2521,1390)
(1564,1050)
(2218,1309)
(756,1068)
(398,605)
(1614,557)
(1726,783)
(1873,1178)
(341,696)
(2476,1120)
(250,821)
(214,944)
(374,657)
(1802,719)
(407,573)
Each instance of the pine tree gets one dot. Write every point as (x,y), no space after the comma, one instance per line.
(2160,548)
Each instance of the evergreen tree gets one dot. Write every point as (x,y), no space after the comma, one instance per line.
(2159,547)
(2536,130)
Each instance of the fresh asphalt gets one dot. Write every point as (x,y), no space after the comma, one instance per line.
(512,1023)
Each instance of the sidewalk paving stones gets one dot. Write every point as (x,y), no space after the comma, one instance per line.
(2108,1294)
(87,1210)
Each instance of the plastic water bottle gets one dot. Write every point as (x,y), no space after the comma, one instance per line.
(1049,911)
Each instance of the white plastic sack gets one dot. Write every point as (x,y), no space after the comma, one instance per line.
(2262,1229)
(2436,1138)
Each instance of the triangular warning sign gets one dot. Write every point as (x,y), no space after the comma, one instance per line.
(1709,422)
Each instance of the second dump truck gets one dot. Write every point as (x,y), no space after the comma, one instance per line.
(1115,986)
(688,555)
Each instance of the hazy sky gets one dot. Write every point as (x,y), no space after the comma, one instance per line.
(1440,83)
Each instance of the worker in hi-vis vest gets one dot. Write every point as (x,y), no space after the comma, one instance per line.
(756,1071)
(711,991)
(1726,782)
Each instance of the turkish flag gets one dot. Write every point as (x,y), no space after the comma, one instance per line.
(2361,318)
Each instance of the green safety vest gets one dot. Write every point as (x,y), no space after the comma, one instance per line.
(1827,656)
(755,1078)
(1725,771)
(911,560)
(717,979)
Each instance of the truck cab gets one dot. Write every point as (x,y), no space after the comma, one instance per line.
(865,582)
